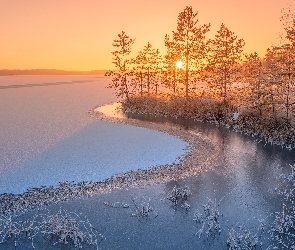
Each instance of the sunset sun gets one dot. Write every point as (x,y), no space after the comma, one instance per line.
(179,64)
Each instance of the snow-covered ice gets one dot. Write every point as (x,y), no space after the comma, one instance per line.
(96,152)
(47,135)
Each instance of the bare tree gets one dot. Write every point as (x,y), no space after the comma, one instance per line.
(224,58)
(120,81)
(188,44)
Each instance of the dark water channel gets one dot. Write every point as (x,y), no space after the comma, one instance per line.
(242,184)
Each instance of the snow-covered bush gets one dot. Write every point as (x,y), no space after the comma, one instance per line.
(274,130)
(143,209)
(283,229)
(209,221)
(243,239)
(62,227)
(180,195)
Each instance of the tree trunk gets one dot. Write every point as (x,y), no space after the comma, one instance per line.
(140,83)
(148,81)
(174,83)
(186,71)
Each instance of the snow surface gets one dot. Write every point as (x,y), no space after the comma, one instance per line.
(47,135)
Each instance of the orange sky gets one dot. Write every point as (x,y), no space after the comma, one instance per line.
(78,34)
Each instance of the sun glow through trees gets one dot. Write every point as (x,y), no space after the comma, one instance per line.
(218,68)
(179,64)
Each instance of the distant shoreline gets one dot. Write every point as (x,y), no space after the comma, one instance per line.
(17,72)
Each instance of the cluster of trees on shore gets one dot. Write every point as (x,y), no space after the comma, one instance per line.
(214,68)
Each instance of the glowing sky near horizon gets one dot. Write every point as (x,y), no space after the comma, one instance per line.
(78,35)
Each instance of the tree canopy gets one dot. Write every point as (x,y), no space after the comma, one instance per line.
(214,68)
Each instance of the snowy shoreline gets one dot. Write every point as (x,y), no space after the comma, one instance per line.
(201,154)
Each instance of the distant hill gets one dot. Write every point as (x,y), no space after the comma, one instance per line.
(7,72)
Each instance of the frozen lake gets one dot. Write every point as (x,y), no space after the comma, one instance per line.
(47,135)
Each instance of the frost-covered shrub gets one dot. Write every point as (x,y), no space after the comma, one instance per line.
(180,194)
(143,209)
(15,230)
(283,229)
(68,228)
(209,221)
(243,239)
(62,227)
(272,129)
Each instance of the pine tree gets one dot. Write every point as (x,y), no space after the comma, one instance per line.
(147,68)
(188,44)
(285,62)
(255,82)
(224,61)
(288,22)
(285,55)
(170,72)
(273,79)
(120,81)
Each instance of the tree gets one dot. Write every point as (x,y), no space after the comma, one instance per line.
(122,62)
(285,55)
(171,57)
(224,61)
(285,67)
(147,67)
(272,77)
(288,22)
(188,44)
(256,83)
